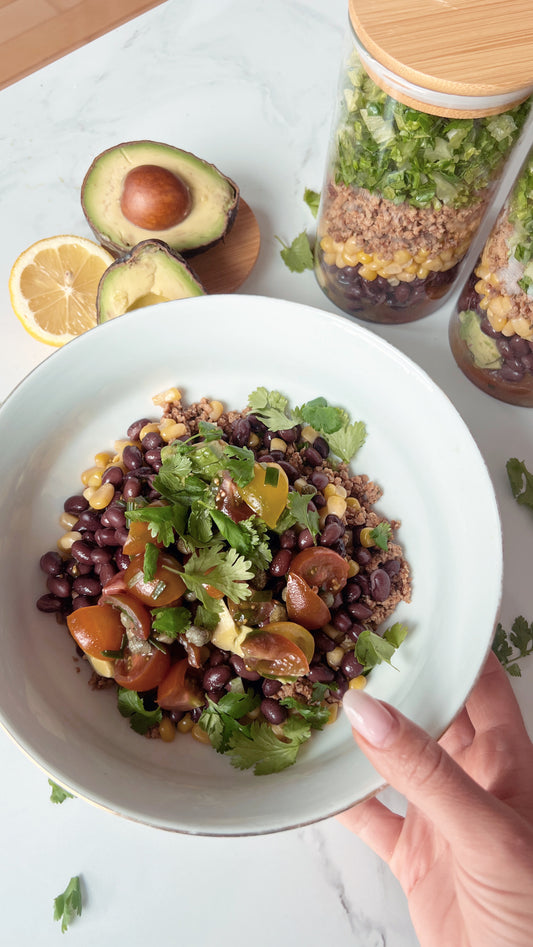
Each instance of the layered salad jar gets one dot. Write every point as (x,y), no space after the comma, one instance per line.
(418,145)
(491,332)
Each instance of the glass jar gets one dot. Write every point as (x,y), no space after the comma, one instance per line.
(411,166)
(491,331)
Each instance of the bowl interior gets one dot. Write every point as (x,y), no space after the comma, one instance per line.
(84,396)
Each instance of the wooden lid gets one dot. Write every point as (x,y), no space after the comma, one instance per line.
(458,47)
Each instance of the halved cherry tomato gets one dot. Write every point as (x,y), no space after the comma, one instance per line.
(321,568)
(143,671)
(96,628)
(167,586)
(138,536)
(304,605)
(266,500)
(177,691)
(134,615)
(229,501)
(280,650)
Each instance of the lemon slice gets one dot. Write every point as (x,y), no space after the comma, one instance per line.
(53,286)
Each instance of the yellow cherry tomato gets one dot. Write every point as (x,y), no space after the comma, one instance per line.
(267,500)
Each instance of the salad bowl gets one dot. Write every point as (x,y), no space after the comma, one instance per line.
(82,398)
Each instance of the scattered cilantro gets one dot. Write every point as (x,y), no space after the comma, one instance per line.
(509,647)
(221,721)
(163,521)
(58,794)
(316,714)
(312,199)
(171,620)
(264,751)
(372,649)
(381,534)
(299,255)
(272,408)
(131,705)
(226,571)
(68,904)
(347,440)
(297,511)
(521,480)
(271,477)
(151,555)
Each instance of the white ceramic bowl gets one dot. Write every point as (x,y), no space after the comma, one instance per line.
(85,395)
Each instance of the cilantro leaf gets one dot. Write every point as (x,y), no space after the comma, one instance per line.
(312,199)
(131,705)
(372,649)
(171,620)
(381,534)
(208,616)
(299,255)
(509,647)
(226,571)
(58,794)
(162,521)
(69,904)
(521,480)
(347,440)
(239,462)
(221,721)
(315,714)
(271,408)
(322,416)
(264,751)
(297,511)
(151,555)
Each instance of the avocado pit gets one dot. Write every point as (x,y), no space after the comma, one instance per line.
(154,198)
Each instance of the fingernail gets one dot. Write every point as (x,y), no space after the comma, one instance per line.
(370,718)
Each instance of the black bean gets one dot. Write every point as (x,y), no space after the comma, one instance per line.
(319,500)
(364,584)
(379,585)
(265,459)
(81,550)
(350,666)
(257,426)
(518,346)
(152,440)
(342,621)
(392,566)
(153,457)
(270,687)
(288,539)
(305,539)
(291,434)
(132,457)
(196,713)
(88,520)
(359,611)
(280,563)
(319,479)
(290,470)
(122,560)
(135,429)
(342,685)
(113,516)
(131,489)
(75,504)
(362,556)
(277,456)
(87,585)
(331,533)
(324,643)
(322,446)
(49,603)
(105,537)
(527,362)
(312,457)
(240,432)
(59,585)
(240,668)
(113,475)
(272,711)
(81,601)
(106,572)
(121,535)
(320,674)
(217,657)
(215,678)
(511,374)
(355,631)
(352,591)
(100,554)
(51,563)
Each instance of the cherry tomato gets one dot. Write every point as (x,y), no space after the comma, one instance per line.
(138,536)
(321,568)
(96,628)
(135,616)
(177,691)
(167,586)
(304,605)
(266,500)
(143,671)
(280,650)
(230,502)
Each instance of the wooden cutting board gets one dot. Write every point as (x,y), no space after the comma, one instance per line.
(34,33)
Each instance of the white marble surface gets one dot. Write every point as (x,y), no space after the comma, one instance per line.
(248,84)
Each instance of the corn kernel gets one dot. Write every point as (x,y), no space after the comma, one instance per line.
(351,245)
(422,272)
(333,632)
(365,257)
(357,683)
(67,520)
(367,273)
(309,434)
(412,268)
(365,537)
(329,490)
(353,503)
(170,396)
(421,256)
(119,447)
(170,430)
(483,303)
(329,258)
(277,443)
(402,256)
(186,724)
(336,505)
(217,408)
(88,474)
(349,259)
(508,330)
(253,440)
(353,568)
(167,730)
(200,735)
(148,429)
(339,260)
(65,542)
(480,287)
(340,490)
(333,713)
(497,322)
(522,327)
(327,244)
(390,269)
(500,305)
(335,657)
(102,496)
(88,492)
(103,458)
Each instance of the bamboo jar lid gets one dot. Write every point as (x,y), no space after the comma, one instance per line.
(471,48)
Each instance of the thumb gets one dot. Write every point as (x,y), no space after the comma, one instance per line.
(414,764)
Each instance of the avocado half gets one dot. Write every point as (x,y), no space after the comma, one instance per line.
(168,194)
(149,273)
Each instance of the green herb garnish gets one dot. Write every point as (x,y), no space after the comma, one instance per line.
(131,704)
(171,620)
(312,199)
(372,649)
(510,647)
(58,794)
(381,534)
(151,555)
(69,904)
(299,255)
(521,480)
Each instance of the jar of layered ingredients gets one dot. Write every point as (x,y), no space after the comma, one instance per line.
(425,124)
(491,332)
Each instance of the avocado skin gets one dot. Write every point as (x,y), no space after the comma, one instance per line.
(148,273)
(102,186)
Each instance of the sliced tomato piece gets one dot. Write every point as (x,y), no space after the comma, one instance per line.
(138,536)
(304,605)
(321,568)
(167,586)
(143,671)
(267,500)
(177,691)
(229,501)
(96,628)
(134,615)
(280,650)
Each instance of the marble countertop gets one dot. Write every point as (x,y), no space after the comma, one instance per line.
(249,85)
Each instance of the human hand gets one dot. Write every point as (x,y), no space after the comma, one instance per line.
(463,854)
